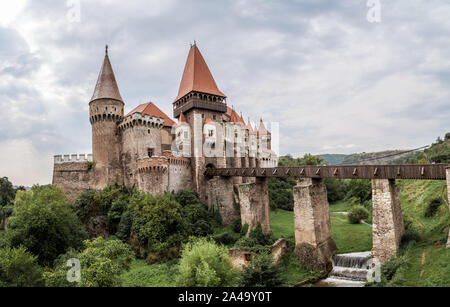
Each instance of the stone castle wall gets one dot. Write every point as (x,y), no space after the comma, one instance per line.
(73,175)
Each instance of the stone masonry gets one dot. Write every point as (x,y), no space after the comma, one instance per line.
(254,202)
(220,197)
(313,243)
(387,219)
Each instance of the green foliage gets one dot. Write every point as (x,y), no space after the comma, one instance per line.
(142,274)
(187,197)
(19,268)
(111,202)
(124,227)
(360,189)
(432,207)
(226,238)
(411,235)
(244,229)
(236,225)
(280,193)
(336,189)
(7,192)
(45,223)
(257,240)
(205,264)
(102,263)
(261,273)
(157,220)
(356,214)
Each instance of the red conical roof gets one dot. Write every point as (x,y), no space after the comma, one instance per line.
(182,119)
(197,76)
(106,86)
(150,109)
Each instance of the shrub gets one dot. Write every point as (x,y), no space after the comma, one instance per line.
(205,264)
(432,207)
(19,268)
(102,263)
(356,214)
(236,225)
(336,189)
(45,223)
(187,197)
(257,240)
(411,235)
(124,227)
(226,238)
(359,188)
(261,273)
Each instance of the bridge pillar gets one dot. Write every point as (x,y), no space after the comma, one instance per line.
(254,201)
(313,243)
(221,197)
(387,219)
(448,200)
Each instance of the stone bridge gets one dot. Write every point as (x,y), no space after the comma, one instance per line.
(313,242)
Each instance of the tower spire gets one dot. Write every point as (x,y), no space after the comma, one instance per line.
(106,87)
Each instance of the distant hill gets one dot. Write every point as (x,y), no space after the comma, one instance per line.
(379,157)
(333,159)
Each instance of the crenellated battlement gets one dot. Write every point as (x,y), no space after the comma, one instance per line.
(137,119)
(153,164)
(73,158)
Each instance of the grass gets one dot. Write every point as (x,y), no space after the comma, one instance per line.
(142,274)
(348,237)
(426,264)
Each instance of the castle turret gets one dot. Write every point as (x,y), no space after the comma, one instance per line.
(106,112)
(198,99)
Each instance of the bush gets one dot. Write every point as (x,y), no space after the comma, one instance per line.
(432,208)
(226,238)
(359,188)
(236,225)
(102,263)
(261,273)
(411,235)
(256,241)
(19,268)
(45,223)
(336,189)
(124,227)
(357,213)
(205,264)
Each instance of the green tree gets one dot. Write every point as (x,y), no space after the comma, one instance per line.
(19,268)
(7,194)
(44,223)
(262,273)
(360,189)
(206,264)
(102,263)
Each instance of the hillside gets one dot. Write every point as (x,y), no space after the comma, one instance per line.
(333,159)
(379,157)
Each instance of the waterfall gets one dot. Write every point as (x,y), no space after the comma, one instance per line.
(349,270)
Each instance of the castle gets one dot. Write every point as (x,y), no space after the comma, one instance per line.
(147,149)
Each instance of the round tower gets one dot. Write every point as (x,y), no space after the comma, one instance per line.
(106,112)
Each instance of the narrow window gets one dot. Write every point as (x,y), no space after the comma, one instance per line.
(150,152)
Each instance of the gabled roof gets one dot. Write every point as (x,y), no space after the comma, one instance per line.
(150,109)
(197,76)
(106,86)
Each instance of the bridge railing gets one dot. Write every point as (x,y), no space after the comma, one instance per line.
(405,171)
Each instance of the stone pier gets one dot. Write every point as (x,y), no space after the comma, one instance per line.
(313,243)
(254,202)
(387,219)
(220,197)
(448,200)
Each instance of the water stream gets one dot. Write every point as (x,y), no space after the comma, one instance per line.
(349,270)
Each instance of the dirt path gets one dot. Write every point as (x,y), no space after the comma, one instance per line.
(422,263)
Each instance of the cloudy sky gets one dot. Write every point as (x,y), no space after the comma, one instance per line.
(335,82)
